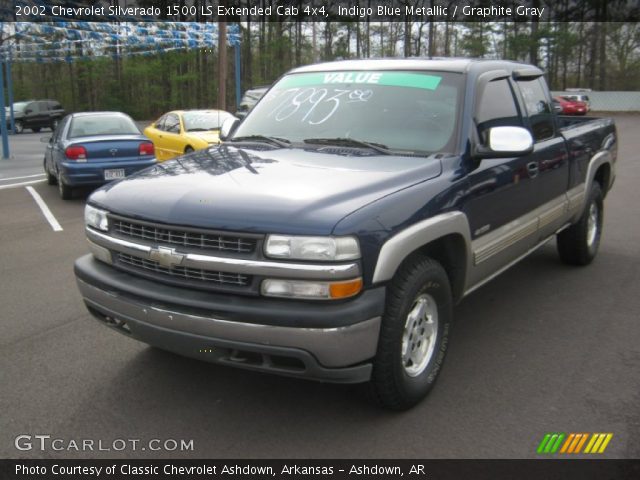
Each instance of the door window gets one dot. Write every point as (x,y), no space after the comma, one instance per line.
(497,108)
(538,108)
(31,108)
(160,123)
(172,123)
(58,133)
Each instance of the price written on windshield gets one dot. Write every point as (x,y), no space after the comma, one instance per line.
(314,105)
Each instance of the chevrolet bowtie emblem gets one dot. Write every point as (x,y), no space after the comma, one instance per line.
(113,152)
(167,257)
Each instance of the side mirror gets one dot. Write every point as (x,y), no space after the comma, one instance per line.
(228,127)
(504,142)
(27,111)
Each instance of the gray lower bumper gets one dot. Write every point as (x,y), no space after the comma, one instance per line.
(330,354)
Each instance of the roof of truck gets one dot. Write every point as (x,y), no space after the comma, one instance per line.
(457,65)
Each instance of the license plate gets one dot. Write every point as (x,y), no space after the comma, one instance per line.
(114,173)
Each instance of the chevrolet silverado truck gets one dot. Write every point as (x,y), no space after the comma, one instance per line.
(332,233)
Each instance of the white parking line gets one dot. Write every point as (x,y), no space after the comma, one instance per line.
(45,210)
(14,185)
(2,179)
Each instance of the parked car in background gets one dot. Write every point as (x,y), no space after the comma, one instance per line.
(249,99)
(571,107)
(36,114)
(93,148)
(184,131)
(579,97)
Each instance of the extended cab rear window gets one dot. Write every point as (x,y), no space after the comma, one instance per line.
(403,110)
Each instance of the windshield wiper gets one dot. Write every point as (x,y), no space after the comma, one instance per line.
(350,142)
(280,142)
(201,129)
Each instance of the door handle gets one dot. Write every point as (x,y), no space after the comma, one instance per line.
(533,169)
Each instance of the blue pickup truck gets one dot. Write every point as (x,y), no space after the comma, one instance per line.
(332,233)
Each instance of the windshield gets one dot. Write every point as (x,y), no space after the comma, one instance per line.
(89,125)
(402,111)
(203,121)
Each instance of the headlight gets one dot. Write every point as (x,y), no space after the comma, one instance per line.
(311,290)
(96,218)
(312,248)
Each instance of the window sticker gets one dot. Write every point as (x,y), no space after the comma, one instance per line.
(393,79)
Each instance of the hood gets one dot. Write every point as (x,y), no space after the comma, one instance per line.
(212,136)
(279,191)
(16,113)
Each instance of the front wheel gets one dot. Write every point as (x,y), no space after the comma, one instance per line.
(578,244)
(188,150)
(414,334)
(18,126)
(54,125)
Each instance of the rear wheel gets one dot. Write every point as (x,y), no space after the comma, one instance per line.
(65,191)
(51,179)
(414,334)
(578,244)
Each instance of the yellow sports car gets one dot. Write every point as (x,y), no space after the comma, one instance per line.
(183,131)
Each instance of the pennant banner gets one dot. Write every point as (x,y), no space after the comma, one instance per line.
(62,41)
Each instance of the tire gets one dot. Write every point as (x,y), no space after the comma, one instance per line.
(65,191)
(188,150)
(54,125)
(420,291)
(51,179)
(35,129)
(19,127)
(578,244)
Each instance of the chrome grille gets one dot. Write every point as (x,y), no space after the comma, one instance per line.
(185,273)
(183,238)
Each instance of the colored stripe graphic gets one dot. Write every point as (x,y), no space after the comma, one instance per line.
(573,443)
(598,442)
(556,445)
(581,442)
(568,442)
(551,442)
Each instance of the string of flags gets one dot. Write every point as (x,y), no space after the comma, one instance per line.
(46,42)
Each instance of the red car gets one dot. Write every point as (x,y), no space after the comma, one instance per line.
(571,107)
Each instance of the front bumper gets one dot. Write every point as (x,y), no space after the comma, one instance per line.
(332,343)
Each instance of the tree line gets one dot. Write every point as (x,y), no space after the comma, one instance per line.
(596,55)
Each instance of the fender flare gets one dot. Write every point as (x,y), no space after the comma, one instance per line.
(397,248)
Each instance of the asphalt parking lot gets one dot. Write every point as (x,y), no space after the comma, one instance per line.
(542,348)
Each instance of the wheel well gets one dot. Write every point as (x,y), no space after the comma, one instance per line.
(602,176)
(188,147)
(451,252)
